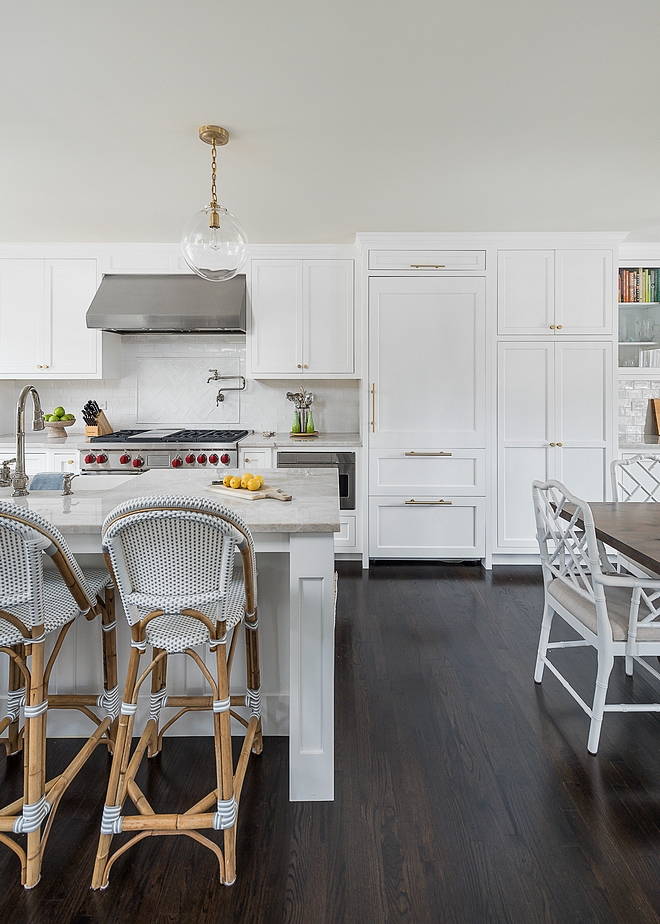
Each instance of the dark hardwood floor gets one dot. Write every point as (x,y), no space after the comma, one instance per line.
(465,794)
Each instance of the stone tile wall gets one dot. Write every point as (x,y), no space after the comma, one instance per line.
(635,413)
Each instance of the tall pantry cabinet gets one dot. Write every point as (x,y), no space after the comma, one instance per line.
(427,393)
(555,380)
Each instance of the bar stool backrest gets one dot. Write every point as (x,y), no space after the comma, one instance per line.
(173,552)
(24,537)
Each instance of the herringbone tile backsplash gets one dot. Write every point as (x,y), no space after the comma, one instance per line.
(163,382)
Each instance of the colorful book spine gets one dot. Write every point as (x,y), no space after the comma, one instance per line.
(640,285)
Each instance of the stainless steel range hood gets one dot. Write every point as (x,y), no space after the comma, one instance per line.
(138,304)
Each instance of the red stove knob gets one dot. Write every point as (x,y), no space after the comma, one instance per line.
(101,457)
(224,458)
(177,463)
(138,463)
(89,459)
(213,458)
(201,458)
(190,458)
(124,460)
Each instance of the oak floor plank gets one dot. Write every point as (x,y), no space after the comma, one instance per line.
(464,792)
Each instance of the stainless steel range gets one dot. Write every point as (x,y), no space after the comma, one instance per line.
(136,451)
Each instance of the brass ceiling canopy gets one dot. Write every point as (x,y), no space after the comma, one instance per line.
(214,134)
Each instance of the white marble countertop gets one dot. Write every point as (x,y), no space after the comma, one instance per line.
(75,439)
(284,440)
(649,443)
(314,507)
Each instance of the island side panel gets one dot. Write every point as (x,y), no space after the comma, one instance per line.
(312,641)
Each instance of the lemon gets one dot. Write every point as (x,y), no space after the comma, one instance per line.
(235,482)
(227,481)
(245,478)
(253,484)
(260,479)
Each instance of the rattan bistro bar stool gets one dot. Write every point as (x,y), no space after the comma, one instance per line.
(173,560)
(35,603)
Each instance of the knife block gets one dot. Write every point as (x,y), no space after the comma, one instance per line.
(102,427)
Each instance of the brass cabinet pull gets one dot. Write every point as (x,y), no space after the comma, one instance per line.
(299,366)
(555,444)
(552,444)
(559,444)
(428,503)
(412,452)
(552,327)
(427,266)
(559,326)
(373,407)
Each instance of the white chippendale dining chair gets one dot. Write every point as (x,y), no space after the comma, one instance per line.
(617,614)
(173,561)
(635,480)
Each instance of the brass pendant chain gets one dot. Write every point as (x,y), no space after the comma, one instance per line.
(214,218)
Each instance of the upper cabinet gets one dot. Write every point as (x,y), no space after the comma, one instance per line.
(43,334)
(303,318)
(555,292)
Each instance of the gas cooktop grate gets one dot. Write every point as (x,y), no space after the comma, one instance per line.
(179,436)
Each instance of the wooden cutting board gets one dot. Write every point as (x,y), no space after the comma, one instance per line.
(242,493)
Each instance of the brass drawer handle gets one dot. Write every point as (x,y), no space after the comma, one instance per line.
(428,503)
(427,266)
(413,453)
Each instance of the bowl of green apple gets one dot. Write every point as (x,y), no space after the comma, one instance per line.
(57,421)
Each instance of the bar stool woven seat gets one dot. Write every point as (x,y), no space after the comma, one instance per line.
(34,604)
(173,559)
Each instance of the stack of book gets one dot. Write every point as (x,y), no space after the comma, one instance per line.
(639,285)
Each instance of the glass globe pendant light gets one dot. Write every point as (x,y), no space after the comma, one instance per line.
(214,244)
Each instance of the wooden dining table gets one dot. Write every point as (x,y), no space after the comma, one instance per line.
(632,529)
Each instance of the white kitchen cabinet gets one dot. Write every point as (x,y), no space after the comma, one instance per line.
(427,362)
(557,293)
(64,461)
(43,334)
(418,526)
(255,458)
(346,538)
(426,472)
(303,318)
(427,260)
(554,421)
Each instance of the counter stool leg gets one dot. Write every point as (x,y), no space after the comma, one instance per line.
(34,759)
(253,674)
(158,683)
(120,758)
(110,677)
(224,761)
(13,743)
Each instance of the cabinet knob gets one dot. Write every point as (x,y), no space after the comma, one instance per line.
(559,444)
(46,367)
(552,444)
(39,367)
(559,327)
(552,327)
(299,366)
(305,366)
(69,462)
(246,460)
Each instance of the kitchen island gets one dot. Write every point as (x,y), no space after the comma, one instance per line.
(296,600)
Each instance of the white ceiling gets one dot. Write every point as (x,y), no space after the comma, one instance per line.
(344,116)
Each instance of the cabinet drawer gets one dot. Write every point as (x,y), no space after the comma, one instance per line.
(255,458)
(421,260)
(401,529)
(459,472)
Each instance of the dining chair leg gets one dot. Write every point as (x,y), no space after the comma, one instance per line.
(605,665)
(546,626)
